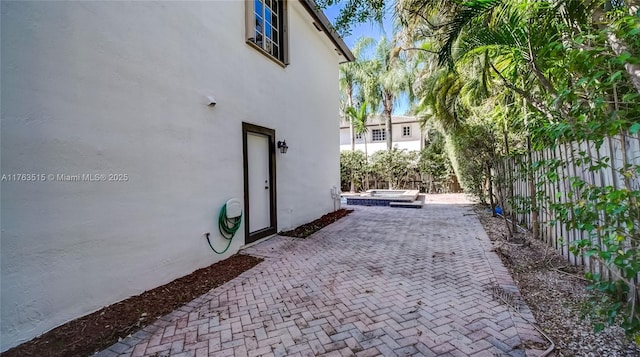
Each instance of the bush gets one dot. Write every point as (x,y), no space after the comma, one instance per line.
(352,169)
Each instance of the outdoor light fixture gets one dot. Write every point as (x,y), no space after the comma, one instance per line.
(282,145)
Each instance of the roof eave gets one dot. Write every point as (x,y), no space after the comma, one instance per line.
(327,28)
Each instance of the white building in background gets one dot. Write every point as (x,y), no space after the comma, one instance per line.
(163,111)
(406,132)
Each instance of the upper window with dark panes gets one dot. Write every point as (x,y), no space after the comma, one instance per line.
(378,135)
(268,32)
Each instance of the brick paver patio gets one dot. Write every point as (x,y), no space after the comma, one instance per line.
(382,281)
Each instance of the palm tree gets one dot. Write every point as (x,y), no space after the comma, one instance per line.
(351,77)
(359,119)
(386,78)
(515,33)
(347,84)
(511,38)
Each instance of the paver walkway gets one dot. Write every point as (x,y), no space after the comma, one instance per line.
(381,281)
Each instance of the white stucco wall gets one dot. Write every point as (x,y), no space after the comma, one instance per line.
(415,132)
(119,88)
(409,143)
(382,146)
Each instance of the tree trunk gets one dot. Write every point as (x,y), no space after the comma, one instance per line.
(366,161)
(509,178)
(387,102)
(617,45)
(351,131)
(530,98)
(633,69)
(501,200)
(388,109)
(352,135)
(492,202)
(532,193)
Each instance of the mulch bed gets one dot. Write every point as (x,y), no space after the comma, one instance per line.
(556,292)
(99,330)
(306,230)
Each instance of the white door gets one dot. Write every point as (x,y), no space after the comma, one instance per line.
(259,182)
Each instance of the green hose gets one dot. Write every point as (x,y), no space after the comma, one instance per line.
(227,227)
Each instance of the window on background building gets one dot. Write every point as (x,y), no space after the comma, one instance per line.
(265,27)
(406,131)
(378,135)
(358,136)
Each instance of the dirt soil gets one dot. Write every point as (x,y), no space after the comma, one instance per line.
(99,330)
(306,230)
(556,292)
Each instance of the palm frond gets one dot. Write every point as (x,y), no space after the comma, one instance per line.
(470,11)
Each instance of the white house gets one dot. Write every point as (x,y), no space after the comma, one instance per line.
(406,131)
(126,126)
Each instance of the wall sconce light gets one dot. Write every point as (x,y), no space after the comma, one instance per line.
(283,147)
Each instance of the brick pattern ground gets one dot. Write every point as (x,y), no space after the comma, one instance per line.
(381,281)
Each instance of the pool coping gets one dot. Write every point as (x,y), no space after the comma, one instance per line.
(363,200)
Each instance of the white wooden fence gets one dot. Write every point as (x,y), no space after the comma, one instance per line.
(557,235)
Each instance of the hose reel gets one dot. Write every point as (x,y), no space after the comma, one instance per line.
(229,222)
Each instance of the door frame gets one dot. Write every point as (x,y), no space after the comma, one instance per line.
(271,135)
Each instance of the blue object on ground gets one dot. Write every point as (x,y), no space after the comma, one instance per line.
(498,210)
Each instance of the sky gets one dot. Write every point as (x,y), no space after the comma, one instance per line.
(375,31)
(369,29)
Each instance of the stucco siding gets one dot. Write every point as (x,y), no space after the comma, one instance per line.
(120,88)
(410,143)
